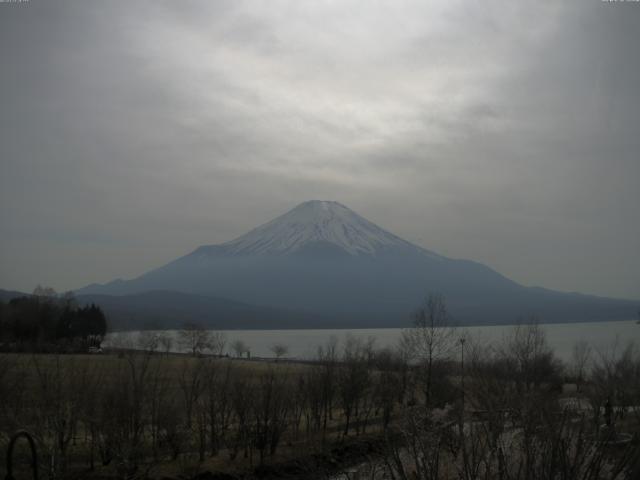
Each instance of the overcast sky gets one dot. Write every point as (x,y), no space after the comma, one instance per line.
(504,132)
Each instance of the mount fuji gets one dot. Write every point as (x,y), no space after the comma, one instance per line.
(324,263)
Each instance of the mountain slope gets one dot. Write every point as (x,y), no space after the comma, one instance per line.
(323,258)
(6,295)
(172,310)
(164,309)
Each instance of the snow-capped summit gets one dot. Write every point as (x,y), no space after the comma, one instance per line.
(316,222)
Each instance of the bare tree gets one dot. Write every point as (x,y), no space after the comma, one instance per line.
(530,356)
(354,380)
(270,413)
(194,338)
(159,403)
(615,376)
(59,394)
(328,359)
(387,383)
(242,399)
(217,343)
(579,359)
(44,292)
(415,452)
(122,412)
(148,341)
(239,348)
(166,342)
(279,350)
(217,401)
(431,339)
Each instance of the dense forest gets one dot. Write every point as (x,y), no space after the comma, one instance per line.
(46,321)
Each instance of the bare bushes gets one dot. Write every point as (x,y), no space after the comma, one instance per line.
(514,426)
(553,447)
(499,417)
(615,377)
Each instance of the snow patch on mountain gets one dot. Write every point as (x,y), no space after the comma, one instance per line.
(316,221)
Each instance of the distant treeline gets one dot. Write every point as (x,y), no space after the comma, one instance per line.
(46,321)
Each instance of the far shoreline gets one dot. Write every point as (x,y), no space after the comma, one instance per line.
(319,329)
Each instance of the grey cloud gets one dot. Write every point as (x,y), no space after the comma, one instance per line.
(132,132)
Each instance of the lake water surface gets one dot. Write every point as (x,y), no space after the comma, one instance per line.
(303,344)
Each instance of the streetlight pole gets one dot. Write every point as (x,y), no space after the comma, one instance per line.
(465,457)
(462,340)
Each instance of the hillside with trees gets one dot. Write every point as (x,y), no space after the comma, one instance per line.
(46,321)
